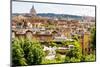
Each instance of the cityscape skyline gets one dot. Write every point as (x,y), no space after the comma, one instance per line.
(24,7)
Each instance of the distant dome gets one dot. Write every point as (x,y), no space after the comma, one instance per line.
(32,11)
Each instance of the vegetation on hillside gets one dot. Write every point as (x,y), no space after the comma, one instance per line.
(26,52)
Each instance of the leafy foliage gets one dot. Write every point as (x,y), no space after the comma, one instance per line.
(35,54)
(53,44)
(88,58)
(58,59)
(74,55)
(66,43)
(26,52)
(93,37)
(17,54)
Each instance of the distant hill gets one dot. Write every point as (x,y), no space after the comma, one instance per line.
(59,16)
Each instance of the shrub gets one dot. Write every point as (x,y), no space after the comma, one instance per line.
(58,57)
(26,52)
(73,60)
(88,58)
(74,54)
(47,52)
(35,54)
(52,44)
(17,54)
(93,39)
(67,59)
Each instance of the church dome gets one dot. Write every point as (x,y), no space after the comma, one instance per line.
(32,11)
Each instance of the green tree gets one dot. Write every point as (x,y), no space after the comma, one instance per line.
(26,52)
(93,38)
(17,54)
(74,54)
(35,54)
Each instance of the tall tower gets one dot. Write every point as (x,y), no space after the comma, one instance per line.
(32,11)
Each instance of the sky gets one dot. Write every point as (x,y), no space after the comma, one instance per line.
(24,7)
